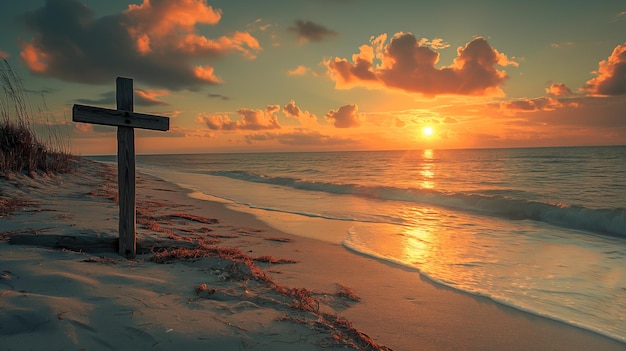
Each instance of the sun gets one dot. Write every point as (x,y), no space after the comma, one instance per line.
(428,131)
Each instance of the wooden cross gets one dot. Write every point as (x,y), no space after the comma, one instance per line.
(125,120)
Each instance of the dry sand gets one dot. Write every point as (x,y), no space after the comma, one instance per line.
(63,287)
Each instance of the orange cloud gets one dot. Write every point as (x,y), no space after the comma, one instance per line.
(200,45)
(164,25)
(409,65)
(206,73)
(558,89)
(611,75)
(251,120)
(157,42)
(83,127)
(298,71)
(33,58)
(305,117)
(162,18)
(143,43)
(300,138)
(345,117)
(150,97)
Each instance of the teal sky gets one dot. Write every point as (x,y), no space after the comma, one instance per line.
(283,75)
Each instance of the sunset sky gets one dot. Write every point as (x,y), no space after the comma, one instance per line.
(311,75)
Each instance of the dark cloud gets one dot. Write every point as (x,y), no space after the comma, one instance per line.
(408,64)
(290,109)
(526,105)
(611,75)
(141,98)
(219,96)
(345,117)
(309,31)
(587,113)
(41,91)
(537,104)
(155,42)
(107,98)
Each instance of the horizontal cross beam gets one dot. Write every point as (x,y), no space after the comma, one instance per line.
(118,118)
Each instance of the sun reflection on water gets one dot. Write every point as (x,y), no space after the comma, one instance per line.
(448,254)
(418,246)
(427,169)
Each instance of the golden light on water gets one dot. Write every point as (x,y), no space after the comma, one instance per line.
(428,154)
(427,170)
(418,246)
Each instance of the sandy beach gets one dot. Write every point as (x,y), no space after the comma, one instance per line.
(207,277)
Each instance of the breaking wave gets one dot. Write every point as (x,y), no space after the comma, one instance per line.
(601,221)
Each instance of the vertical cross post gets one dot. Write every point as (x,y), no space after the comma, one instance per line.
(125,119)
(126,171)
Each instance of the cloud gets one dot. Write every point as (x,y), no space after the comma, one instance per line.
(298,71)
(85,130)
(161,18)
(611,75)
(537,104)
(524,105)
(251,120)
(156,42)
(345,117)
(150,97)
(408,64)
(171,114)
(292,110)
(141,98)
(558,89)
(607,114)
(567,44)
(107,98)
(309,31)
(300,138)
(219,96)
(41,91)
(305,117)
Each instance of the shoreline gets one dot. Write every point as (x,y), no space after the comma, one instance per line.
(335,231)
(396,307)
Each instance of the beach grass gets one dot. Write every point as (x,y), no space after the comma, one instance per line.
(22,150)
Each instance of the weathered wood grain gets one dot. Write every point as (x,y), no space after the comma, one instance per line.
(126,172)
(118,118)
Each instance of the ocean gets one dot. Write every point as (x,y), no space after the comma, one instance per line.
(540,229)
